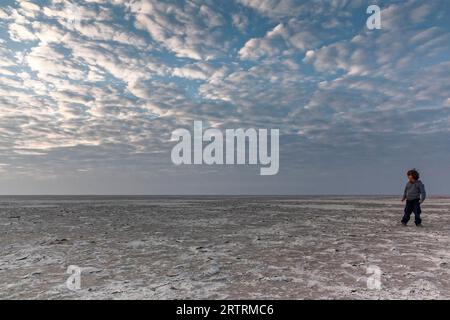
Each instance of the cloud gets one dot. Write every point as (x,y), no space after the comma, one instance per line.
(195,71)
(105,91)
(19,32)
(280,41)
(188,29)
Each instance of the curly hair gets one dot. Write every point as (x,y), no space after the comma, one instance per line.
(414,173)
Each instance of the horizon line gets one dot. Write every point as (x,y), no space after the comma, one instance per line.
(211,195)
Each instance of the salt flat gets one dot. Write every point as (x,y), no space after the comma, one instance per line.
(225,248)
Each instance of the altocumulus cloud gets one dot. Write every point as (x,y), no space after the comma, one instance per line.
(90,92)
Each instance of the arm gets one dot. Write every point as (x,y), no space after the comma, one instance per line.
(423,193)
(404,195)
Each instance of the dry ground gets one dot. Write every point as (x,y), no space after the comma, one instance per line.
(224,248)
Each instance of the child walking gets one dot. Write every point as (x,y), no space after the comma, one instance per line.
(414,195)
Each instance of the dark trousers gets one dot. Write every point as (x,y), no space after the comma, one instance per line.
(412,206)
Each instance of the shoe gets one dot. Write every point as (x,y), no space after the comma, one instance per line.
(404,224)
(419,225)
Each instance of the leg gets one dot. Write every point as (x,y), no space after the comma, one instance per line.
(408,211)
(417,212)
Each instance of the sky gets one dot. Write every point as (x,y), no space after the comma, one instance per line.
(91,91)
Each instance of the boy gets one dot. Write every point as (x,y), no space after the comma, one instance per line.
(414,195)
